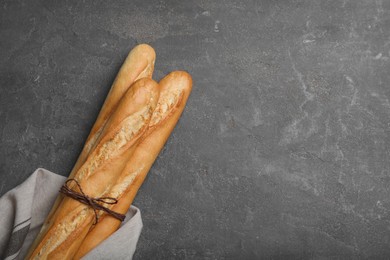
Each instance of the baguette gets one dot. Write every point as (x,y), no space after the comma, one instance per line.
(116,143)
(174,92)
(138,64)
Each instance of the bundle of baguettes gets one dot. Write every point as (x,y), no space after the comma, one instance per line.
(133,125)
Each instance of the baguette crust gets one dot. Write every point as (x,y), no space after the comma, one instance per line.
(174,92)
(138,64)
(119,137)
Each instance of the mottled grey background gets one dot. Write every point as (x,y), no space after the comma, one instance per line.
(283,149)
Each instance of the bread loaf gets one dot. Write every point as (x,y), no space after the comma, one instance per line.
(116,143)
(138,64)
(174,92)
(133,125)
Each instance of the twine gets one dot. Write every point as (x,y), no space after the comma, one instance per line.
(94,203)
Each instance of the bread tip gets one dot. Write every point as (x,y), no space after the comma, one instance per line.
(180,72)
(144,47)
(146,85)
(183,75)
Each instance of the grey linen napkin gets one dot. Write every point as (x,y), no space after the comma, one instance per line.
(24,208)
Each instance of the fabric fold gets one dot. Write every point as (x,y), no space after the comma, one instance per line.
(24,209)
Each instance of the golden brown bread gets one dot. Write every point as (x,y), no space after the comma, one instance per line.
(117,141)
(131,129)
(138,64)
(174,91)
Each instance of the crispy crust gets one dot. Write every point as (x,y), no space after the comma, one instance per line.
(121,134)
(138,64)
(174,92)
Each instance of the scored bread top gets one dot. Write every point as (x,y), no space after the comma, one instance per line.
(121,132)
(124,127)
(138,64)
(175,89)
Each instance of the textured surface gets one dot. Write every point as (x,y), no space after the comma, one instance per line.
(283,149)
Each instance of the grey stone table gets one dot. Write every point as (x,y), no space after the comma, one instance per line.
(283,149)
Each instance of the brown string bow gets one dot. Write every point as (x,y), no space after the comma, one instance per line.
(94,203)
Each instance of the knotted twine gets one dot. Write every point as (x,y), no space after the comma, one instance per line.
(94,203)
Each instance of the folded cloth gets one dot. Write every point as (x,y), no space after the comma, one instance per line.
(24,208)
